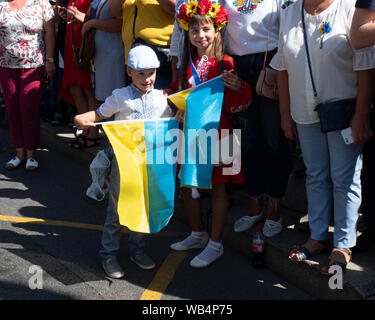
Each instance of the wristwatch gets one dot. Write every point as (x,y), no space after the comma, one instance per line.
(50,60)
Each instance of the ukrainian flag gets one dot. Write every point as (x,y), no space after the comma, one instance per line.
(146,153)
(202,105)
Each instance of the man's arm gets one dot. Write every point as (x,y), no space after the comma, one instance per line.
(362,33)
(168,5)
(115,8)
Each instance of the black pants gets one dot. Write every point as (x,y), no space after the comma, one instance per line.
(266,153)
(368,179)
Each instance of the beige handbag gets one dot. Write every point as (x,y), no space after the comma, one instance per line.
(267,81)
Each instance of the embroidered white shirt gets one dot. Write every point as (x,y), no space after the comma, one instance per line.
(127,104)
(248,25)
(334,65)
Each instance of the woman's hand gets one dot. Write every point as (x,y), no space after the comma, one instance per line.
(76,15)
(360,125)
(289,127)
(50,70)
(231,80)
(180,116)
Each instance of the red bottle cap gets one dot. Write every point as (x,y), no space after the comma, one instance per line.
(258,228)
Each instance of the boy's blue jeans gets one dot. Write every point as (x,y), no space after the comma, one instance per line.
(112,229)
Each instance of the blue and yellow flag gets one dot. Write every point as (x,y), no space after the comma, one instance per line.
(147,165)
(202,105)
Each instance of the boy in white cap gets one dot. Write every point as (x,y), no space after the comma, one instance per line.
(137,101)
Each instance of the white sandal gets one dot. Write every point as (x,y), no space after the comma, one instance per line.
(13,163)
(31,164)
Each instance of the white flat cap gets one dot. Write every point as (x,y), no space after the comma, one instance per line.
(142,57)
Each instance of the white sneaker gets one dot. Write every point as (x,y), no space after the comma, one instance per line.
(191,242)
(272,228)
(246,222)
(197,262)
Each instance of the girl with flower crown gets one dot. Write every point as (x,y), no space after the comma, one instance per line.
(204,49)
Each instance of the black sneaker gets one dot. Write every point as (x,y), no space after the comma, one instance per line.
(112,268)
(143,261)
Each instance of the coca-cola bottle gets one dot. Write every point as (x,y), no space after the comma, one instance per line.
(258,248)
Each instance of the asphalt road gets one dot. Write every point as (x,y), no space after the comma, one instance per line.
(60,232)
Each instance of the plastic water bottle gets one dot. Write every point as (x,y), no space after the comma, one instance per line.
(258,248)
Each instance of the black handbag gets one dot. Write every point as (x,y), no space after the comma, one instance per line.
(335,115)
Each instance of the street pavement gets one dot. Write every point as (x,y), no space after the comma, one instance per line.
(50,231)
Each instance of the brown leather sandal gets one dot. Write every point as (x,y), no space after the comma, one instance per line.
(336,262)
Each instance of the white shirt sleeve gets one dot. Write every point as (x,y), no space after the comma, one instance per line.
(110,106)
(364,59)
(278,60)
(160,105)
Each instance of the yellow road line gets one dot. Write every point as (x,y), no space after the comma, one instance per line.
(62,223)
(51,222)
(164,276)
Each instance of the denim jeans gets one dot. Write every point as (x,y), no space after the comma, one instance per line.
(333,171)
(266,153)
(112,229)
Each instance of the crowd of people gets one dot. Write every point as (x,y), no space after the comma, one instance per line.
(322,57)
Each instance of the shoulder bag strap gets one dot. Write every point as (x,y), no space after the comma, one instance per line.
(72,27)
(100,10)
(307,48)
(268,37)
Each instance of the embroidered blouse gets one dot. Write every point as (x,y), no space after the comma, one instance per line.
(127,104)
(334,64)
(21,34)
(248,25)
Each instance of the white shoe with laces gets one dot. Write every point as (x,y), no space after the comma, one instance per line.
(272,228)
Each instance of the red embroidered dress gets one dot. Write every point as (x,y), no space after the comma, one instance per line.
(233,101)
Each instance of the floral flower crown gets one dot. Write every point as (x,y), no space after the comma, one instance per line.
(205,8)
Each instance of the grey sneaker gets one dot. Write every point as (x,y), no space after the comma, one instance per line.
(112,268)
(143,261)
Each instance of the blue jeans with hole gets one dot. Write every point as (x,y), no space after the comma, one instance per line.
(112,229)
(333,172)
